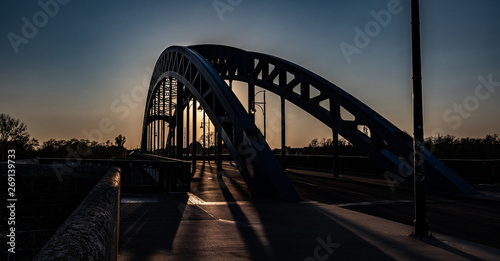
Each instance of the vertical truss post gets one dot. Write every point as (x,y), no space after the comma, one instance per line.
(153,123)
(194,135)
(170,119)
(151,133)
(187,126)
(163,121)
(180,119)
(153,126)
(158,93)
(204,137)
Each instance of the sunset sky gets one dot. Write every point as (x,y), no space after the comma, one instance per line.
(66,65)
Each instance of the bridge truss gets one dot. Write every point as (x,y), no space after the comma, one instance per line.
(197,74)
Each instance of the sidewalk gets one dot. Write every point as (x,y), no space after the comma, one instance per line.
(218,222)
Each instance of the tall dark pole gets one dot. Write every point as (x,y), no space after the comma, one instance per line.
(420,222)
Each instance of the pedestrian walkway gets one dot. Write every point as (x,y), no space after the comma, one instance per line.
(224,224)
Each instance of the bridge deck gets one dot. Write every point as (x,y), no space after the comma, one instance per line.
(219,222)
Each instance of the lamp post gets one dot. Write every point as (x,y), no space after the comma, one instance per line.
(202,126)
(252,110)
(420,222)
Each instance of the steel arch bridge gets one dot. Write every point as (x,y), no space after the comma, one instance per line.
(184,76)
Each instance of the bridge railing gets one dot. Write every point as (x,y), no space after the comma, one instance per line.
(141,172)
(172,174)
(472,170)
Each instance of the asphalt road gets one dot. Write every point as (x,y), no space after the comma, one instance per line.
(471,219)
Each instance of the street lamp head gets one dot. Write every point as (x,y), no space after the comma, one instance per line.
(252,111)
(200,109)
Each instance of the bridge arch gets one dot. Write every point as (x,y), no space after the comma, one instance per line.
(183,72)
(385,144)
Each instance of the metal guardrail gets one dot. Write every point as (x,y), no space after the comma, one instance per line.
(471,170)
(152,174)
(172,174)
(476,170)
(325,162)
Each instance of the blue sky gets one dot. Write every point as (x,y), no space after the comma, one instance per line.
(86,56)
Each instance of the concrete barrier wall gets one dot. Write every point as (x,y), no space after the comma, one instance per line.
(91,231)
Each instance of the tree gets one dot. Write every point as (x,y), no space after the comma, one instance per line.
(120,141)
(326,143)
(12,130)
(14,135)
(314,143)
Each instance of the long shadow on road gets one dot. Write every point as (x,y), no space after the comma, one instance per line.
(225,224)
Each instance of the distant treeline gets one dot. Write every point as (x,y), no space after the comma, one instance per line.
(14,136)
(444,147)
(84,149)
(71,149)
(451,147)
